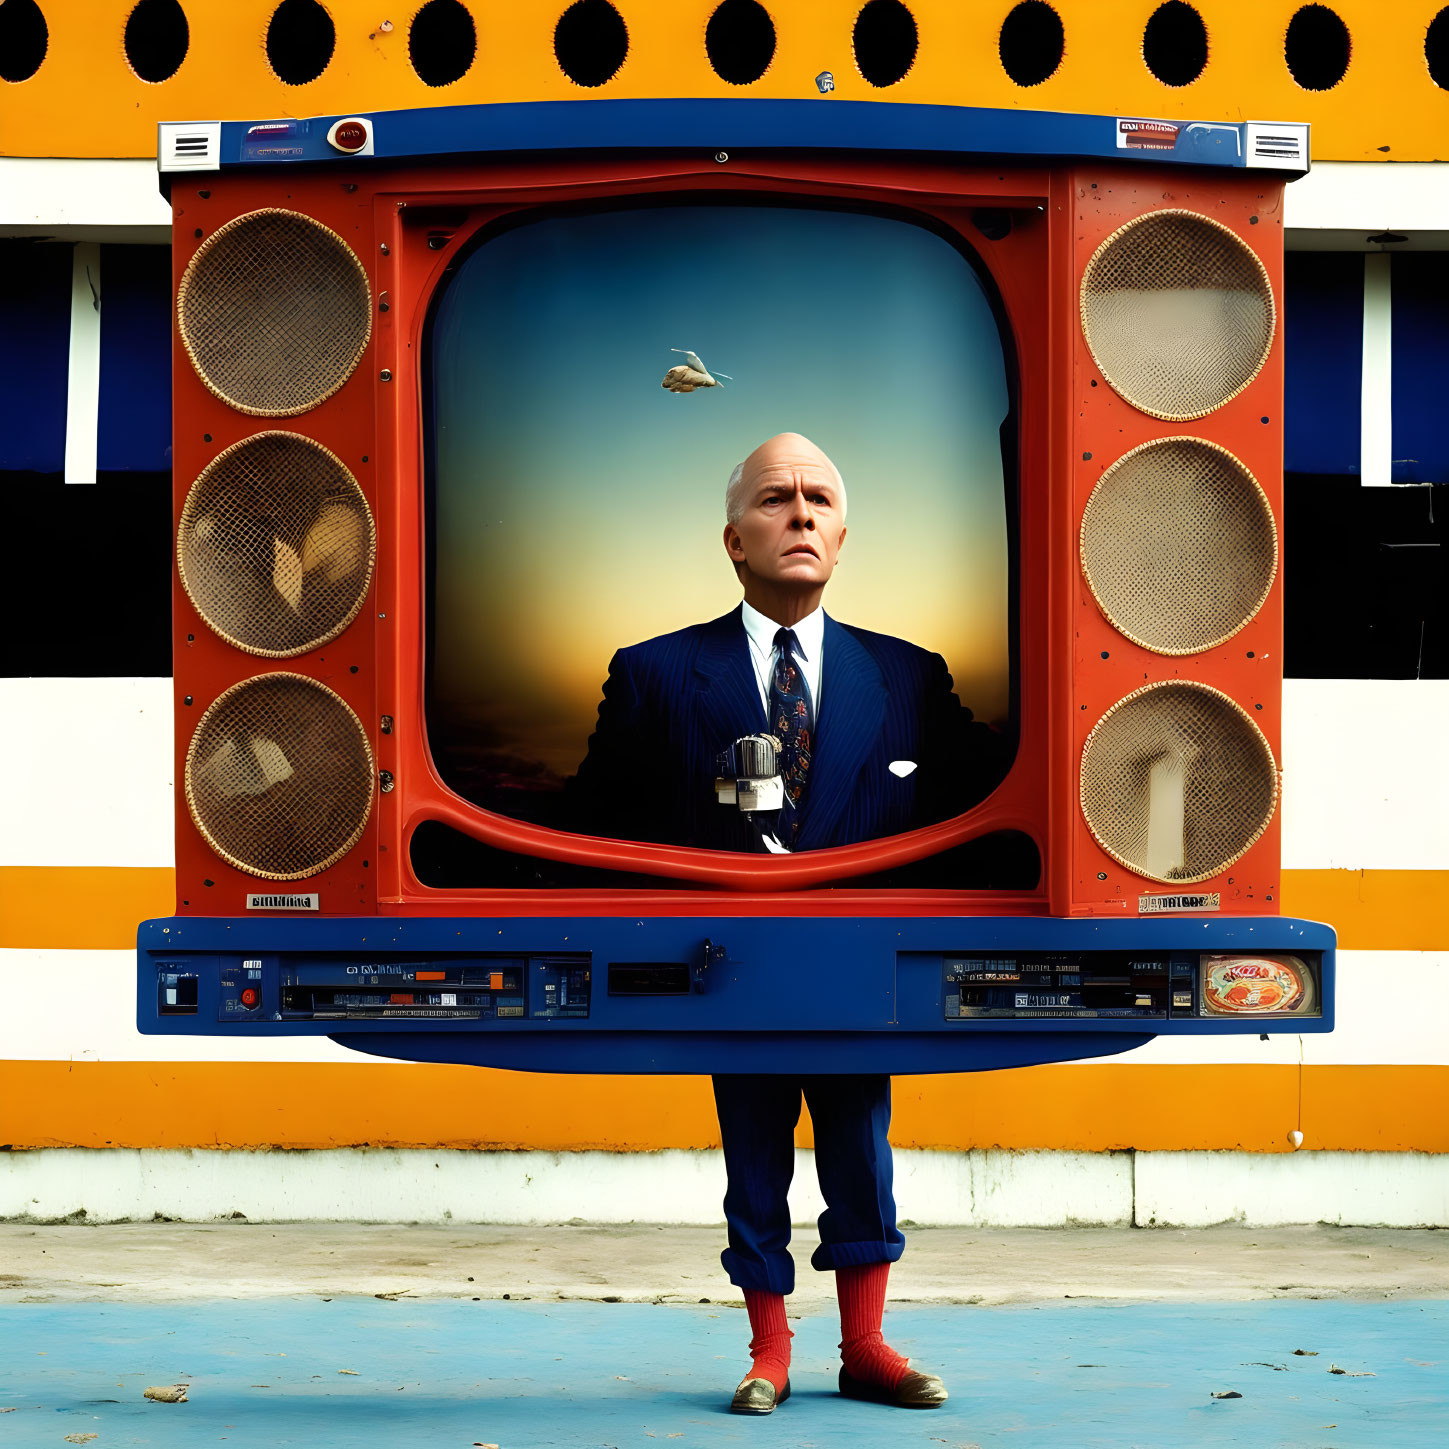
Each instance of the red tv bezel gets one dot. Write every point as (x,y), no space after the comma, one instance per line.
(407,224)
(416,264)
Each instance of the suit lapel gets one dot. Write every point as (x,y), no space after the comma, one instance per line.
(729,696)
(851,711)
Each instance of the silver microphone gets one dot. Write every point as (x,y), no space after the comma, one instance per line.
(755,783)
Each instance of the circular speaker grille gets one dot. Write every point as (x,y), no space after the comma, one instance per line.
(1178,313)
(276,545)
(274,312)
(1179,546)
(279,777)
(1177,781)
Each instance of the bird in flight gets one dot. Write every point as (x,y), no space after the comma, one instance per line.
(690,374)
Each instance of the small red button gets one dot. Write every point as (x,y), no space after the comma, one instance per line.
(249,996)
(350,136)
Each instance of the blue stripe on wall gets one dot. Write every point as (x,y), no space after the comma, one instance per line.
(34,354)
(135,406)
(1323,358)
(1421,367)
(135,401)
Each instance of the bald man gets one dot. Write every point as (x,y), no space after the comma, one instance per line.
(873,742)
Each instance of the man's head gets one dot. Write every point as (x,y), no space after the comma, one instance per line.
(785,507)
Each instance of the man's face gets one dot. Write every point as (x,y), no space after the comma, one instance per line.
(792,528)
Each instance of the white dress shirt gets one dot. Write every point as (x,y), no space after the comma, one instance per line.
(810,640)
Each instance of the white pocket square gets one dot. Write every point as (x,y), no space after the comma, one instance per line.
(901,768)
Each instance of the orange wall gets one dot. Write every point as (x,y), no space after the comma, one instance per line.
(1093,1108)
(86,101)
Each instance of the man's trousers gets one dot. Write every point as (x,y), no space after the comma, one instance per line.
(851,1116)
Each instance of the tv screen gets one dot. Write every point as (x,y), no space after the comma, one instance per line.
(592,380)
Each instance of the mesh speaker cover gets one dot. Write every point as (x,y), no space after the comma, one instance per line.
(1177,781)
(1178,313)
(279,777)
(1179,545)
(276,545)
(274,312)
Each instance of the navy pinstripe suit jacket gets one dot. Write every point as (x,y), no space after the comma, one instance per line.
(671,704)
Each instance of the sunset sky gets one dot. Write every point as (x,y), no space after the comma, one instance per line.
(579,506)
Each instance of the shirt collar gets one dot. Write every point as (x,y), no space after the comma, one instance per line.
(809,632)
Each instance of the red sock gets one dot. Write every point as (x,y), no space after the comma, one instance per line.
(770,1346)
(863,1349)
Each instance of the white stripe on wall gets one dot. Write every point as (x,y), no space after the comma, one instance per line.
(1365,774)
(99,1022)
(1376,401)
(1367,196)
(994,1187)
(88,778)
(83,386)
(111,200)
(1365,777)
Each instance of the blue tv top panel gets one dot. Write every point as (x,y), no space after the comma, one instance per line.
(726,126)
(702,994)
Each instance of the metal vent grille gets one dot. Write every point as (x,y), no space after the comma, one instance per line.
(1177,781)
(279,777)
(276,545)
(1178,314)
(274,312)
(1178,545)
(194,147)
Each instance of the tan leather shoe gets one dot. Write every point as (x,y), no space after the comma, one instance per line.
(915,1391)
(758,1396)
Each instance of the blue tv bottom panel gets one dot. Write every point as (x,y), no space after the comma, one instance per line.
(701,994)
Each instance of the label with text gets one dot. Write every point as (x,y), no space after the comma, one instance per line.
(1168,905)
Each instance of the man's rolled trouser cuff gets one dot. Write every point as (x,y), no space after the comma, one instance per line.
(829,1256)
(774,1274)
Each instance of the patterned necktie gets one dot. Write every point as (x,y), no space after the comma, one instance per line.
(791,724)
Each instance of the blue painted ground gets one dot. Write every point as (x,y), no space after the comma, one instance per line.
(445,1373)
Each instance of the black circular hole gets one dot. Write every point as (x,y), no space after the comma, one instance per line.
(300,41)
(156,39)
(885,41)
(590,41)
(1106,654)
(24,36)
(442,42)
(1317,48)
(1175,44)
(740,41)
(1436,49)
(1032,42)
